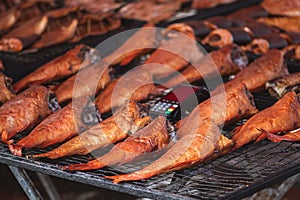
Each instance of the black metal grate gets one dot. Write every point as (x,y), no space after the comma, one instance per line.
(232,176)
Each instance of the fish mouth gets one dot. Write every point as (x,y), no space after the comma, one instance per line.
(239,57)
(90,114)
(53,102)
(171,131)
(143,110)
(92,55)
(8,84)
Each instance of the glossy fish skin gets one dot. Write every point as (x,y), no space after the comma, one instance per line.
(143,41)
(228,60)
(283,116)
(268,67)
(284,23)
(29,31)
(95,24)
(126,120)
(278,7)
(226,107)
(135,85)
(6,91)
(160,10)
(292,136)
(189,150)
(87,82)
(25,110)
(171,57)
(8,19)
(278,88)
(148,139)
(65,33)
(56,128)
(63,66)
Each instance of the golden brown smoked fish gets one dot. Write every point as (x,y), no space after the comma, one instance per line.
(87,82)
(226,61)
(150,138)
(6,91)
(29,31)
(126,120)
(56,128)
(25,110)
(279,87)
(57,36)
(63,66)
(231,105)
(135,85)
(171,57)
(189,150)
(284,115)
(8,19)
(266,68)
(142,41)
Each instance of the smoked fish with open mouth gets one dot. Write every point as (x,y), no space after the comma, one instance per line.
(127,119)
(58,127)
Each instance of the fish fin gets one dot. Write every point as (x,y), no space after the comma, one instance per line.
(15,150)
(235,130)
(272,137)
(4,136)
(260,138)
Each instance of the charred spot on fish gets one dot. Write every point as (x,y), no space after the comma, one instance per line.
(71,67)
(250,97)
(295,88)
(112,73)
(92,55)
(240,111)
(238,57)
(53,102)
(8,84)
(40,118)
(82,129)
(143,109)
(290,54)
(215,38)
(90,114)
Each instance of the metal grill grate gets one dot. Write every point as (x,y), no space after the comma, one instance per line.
(235,175)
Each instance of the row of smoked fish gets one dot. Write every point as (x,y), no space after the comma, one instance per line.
(36,24)
(69,114)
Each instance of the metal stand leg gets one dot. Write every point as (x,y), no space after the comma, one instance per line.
(49,186)
(26,183)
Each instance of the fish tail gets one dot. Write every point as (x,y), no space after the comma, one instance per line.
(94,164)
(127,177)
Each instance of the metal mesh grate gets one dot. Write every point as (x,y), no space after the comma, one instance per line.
(235,175)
